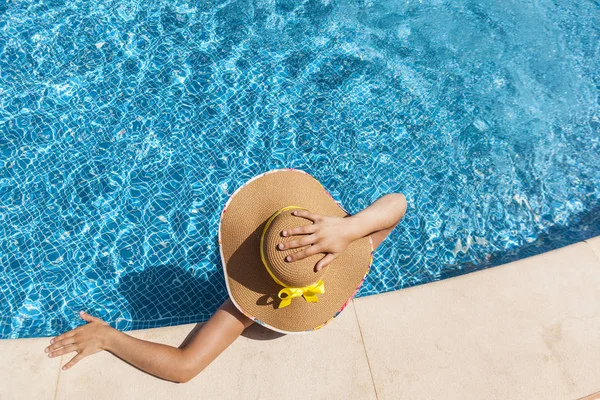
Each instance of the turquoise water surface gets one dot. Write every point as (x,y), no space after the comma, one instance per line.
(126,125)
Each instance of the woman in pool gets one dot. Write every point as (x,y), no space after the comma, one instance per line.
(283,240)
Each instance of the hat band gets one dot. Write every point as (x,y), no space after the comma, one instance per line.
(288,293)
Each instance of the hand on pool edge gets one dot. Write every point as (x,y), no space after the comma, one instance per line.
(86,340)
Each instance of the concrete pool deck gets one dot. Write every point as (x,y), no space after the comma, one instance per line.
(525,330)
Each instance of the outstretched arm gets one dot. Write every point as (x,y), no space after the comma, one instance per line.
(167,362)
(213,338)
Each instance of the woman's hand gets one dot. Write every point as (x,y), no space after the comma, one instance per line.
(330,235)
(86,340)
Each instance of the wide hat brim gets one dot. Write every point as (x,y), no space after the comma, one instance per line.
(251,289)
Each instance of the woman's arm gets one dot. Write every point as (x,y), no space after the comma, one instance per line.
(167,362)
(332,235)
(182,364)
(380,218)
(215,336)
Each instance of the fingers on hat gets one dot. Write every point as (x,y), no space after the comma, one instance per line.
(306,214)
(305,241)
(303,253)
(300,230)
(325,261)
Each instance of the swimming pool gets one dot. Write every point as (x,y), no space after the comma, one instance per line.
(125,125)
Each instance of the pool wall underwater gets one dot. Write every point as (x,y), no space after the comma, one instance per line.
(126,125)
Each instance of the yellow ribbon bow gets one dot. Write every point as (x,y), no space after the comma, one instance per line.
(308,292)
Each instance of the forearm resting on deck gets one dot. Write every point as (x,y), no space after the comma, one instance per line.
(181,364)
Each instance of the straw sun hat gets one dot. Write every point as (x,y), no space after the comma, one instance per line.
(287,297)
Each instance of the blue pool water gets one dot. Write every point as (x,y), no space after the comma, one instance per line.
(125,126)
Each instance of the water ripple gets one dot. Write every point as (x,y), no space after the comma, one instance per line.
(125,126)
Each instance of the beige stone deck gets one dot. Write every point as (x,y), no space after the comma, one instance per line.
(525,330)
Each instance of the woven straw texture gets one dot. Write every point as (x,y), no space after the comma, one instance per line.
(251,287)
